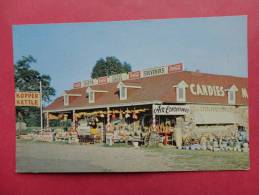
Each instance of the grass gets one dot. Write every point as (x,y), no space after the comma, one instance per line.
(118,145)
(188,160)
(201,160)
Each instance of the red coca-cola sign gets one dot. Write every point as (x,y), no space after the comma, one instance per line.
(77,85)
(175,68)
(134,75)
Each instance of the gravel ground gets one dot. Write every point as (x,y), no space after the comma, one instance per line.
(53,157)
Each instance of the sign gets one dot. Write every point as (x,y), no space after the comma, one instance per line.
(175,68)
(131,75)
(171,109)
(118,77)
(207,90)
(155,71)
(77,85)
(27,99)
(134,75)
(102,80)
(90,82)
(203,114)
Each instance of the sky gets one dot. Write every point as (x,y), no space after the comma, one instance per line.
(68,51)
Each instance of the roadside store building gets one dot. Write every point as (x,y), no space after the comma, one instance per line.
(157,99)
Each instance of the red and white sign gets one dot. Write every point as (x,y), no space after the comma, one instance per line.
(134,75)
(102,80)
(175,68)
(77,85)
(171,109)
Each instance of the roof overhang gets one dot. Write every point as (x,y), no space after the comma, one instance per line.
(105,106)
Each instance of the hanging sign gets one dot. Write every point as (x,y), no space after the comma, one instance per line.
(171,109)
(27,99)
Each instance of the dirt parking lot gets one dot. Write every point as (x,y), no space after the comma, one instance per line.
(54,157)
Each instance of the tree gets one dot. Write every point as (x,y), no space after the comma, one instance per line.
(109,66)
(28,79)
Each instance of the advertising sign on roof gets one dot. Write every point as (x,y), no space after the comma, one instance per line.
(134,75)
(118,77)
(175,68)
(102,80)
(77,85)
(90,82)
(155,71)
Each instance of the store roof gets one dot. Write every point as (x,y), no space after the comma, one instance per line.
(158,88)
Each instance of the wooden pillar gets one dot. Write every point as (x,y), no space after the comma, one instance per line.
(47,119)
(74,119)
(108,116)
(108,136)
(153,118)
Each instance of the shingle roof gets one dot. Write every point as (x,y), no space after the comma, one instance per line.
(160,88)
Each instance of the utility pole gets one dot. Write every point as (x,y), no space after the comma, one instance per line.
(41,118)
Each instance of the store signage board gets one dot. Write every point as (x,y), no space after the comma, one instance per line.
(204,114)
(171,109)
(213,90)
(207,90)
(27,99)
(118,77)
(175,68)
(90,82)
(134,75)
(77,85)
(155,71)
(102,80)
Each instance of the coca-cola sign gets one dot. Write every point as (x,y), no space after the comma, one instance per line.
(175,68)
(134,75)
(77,85)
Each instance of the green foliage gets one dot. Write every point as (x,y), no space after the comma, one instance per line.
(109,66)
(27,79)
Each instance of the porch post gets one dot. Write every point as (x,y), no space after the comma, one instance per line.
(108,136)
(153,118)
(108,116)
(74,119)
(47,119)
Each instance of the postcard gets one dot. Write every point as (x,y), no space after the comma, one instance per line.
(132,96)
